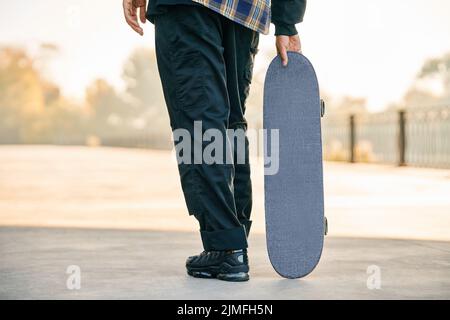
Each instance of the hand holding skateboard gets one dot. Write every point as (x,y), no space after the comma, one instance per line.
(285,44)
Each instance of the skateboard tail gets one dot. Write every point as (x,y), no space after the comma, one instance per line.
(306,270)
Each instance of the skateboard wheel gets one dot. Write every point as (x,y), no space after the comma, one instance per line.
(322,108)
(325,222)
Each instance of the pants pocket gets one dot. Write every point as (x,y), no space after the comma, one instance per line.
(248,72)
(189,75)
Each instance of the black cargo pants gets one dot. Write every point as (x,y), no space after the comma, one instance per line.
(205,63)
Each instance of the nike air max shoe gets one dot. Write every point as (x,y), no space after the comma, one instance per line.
(222,265)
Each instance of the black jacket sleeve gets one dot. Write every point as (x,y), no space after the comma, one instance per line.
(285,14)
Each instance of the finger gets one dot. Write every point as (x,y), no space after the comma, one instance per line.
(298,45)
(136,28)
(283,56)
(134,25)
(142,14)
(128,13)
(131,21)
(135,22)
(294,49)
(131,18)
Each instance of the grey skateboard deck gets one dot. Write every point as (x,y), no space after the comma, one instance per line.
(294,200)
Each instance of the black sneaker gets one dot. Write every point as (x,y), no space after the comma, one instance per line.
(222,265)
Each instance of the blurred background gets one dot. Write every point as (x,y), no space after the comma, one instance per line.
(85,139)
(79,76)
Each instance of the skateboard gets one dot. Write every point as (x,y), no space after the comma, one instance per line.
(293,187)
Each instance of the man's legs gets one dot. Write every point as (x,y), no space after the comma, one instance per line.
(241,45)
(191,54)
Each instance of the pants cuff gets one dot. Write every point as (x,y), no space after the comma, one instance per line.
(229,239)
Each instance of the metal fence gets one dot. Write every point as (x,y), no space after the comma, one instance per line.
(417,137)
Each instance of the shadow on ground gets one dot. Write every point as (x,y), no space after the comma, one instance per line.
(150,265)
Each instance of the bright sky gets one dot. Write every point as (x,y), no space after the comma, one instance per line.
(368,48)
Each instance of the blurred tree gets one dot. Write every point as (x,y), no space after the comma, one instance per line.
(44,57)
(143,86)
(418,97)
(106,109)
(144,97)
(22,96)
(435,73)
(345,105)
(438,69)
(63,122)
(32,109)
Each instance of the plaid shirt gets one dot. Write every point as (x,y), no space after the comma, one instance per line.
(254,14)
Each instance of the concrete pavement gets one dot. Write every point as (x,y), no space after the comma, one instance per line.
(139,189)
(117,264)
(119,215)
